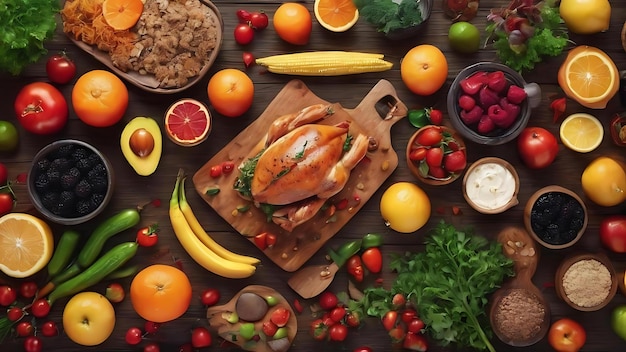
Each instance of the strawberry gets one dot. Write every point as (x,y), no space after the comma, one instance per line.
(485,125)
(437,172)
(472,116)
(487,97)
(455,161)
(497,82)
(472,84)
(415,342)
(515,94)
(434,157)
(390,320)
(466,102)
(499,116)
(512,109)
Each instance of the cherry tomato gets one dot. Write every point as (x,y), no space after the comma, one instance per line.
(434,157)
(259,20)
(435,117)
(215,171)
(40,308)
(151,327)
(4,174)
(210,297)
(24,328)
(49,329)
(15,313)
(418,154)
(318,329)
(537,147)
(41,108)
(328,300)
(429,136)
(244,34)
(200,337)
(353,319)
(337,314)
(33,344)
(248,58)
(373,259)
(152,347)
(28,289)
(416,325)
(7,295)
(6,205)
(148,236)
(228,166)
(355,267)
(338,332)
(390,320)
(133,336)
(243,16)
(60,68)
(363,349)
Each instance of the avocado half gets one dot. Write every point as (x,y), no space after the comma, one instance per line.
(142,144)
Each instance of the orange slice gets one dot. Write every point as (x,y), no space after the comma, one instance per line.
(589,76)
(26,244)
(187,122)
(336,15)
(122,14)
(581,132)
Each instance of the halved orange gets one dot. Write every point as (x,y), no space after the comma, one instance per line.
(187,122)
(122,14)
(589,76)
(26,244)
(336,15)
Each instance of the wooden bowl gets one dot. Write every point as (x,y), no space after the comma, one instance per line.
(478,176)
(528,218)
(568,262)
(414,166)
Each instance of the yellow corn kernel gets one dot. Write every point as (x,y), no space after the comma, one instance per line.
(325,63)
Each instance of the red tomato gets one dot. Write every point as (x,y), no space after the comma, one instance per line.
(200,337)
(4,174)
(373,259)
(355,267)
(151,327)
(33,344)
(133,336)
(40,308)
(7,295)
(566,335)
(244,34)
(613,233)
(418,154)
(49,329)
(390,320)
(152,347)
(363,349)
(338,332)
(41,108)
(429,136)
(28,289)
(537,147)
(337,314)
(319,330)
(328,300)
(60,68)
(24,328)
(216,171)
(269,328)
(210,297)
(455,161)
(434,157)
(259,20)
(148,236)
(280,316)
(228,167)
(6,204)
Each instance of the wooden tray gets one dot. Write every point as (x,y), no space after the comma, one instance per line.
(374,116)
(149,82)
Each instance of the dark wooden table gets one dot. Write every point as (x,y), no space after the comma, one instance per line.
(131,189)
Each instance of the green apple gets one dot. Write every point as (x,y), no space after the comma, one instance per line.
(464,37)
(618,321)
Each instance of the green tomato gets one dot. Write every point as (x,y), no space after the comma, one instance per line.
(8,136)
(464,37)
(618,321)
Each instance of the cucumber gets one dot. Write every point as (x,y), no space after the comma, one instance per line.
(63,252)
(122,273)
(105,265)
(117,223)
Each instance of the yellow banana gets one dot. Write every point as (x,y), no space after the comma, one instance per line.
(205,237)
(197,250)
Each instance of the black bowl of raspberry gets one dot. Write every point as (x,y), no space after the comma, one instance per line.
(489,103)
(70,182)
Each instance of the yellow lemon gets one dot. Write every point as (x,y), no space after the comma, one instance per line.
(581,132)
(604,181)
(405,207)
(26,244)
(586,16)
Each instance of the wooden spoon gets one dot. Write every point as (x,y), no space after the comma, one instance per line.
(312,280)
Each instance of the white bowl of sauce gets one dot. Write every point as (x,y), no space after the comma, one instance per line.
(491,185)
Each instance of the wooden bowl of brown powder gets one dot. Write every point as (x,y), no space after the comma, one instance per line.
(586,282)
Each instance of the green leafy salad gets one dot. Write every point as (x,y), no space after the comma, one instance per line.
(24,26)
(449,284)
(389,15)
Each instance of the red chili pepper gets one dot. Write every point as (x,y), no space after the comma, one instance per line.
(558,108)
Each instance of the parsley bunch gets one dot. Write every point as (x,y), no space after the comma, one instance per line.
(449,283)
(524,32)
(388,15)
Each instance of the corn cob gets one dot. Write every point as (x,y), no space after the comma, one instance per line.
(325,63)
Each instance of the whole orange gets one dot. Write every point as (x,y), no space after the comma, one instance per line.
(424,69)
(231,92)
(160,293)
(292,23)
(99,98)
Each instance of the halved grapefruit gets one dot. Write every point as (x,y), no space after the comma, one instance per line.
(187,122)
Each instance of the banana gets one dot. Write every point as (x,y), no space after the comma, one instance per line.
(205,237)
(197,250)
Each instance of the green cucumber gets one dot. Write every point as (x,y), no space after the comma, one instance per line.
(122,273)
(105,265)
(115,224)
(63,252)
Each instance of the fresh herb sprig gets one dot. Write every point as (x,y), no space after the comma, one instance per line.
(388,15)
(449,283)
(524,33)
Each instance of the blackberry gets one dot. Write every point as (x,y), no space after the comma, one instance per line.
(50,199)
(64,151)
(99,184)
(83,189)
(54,177)
(42,165)
(94,158)
(61,164)
(97,170)
(83,207)
(67,203)
(96,199)
(84,165)
(42,183)
(70,179)
(80,153)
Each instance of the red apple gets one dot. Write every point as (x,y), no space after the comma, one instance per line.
(613,233)
(566,335)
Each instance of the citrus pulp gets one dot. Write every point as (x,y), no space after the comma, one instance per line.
(26,244)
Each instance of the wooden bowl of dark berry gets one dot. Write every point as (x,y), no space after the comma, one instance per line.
(70,182)
(489,103)
(556,217)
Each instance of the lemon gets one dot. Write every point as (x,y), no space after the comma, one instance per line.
(405,207)
(581,132)
(464,37)
(26,244)
(586,16)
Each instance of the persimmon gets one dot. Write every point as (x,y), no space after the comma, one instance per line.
(293,24)
(99,98)
(160,293)
(122,14)
(424,69)
(231,92)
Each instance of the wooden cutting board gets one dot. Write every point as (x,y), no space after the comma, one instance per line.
(373,116)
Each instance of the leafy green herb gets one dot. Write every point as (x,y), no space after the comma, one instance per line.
(24,26)
(246,173)
(347,144)
(539,32)
(300,154)
(448,283)
(388,15)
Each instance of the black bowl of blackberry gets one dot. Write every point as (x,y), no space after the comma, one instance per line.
(70,182)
